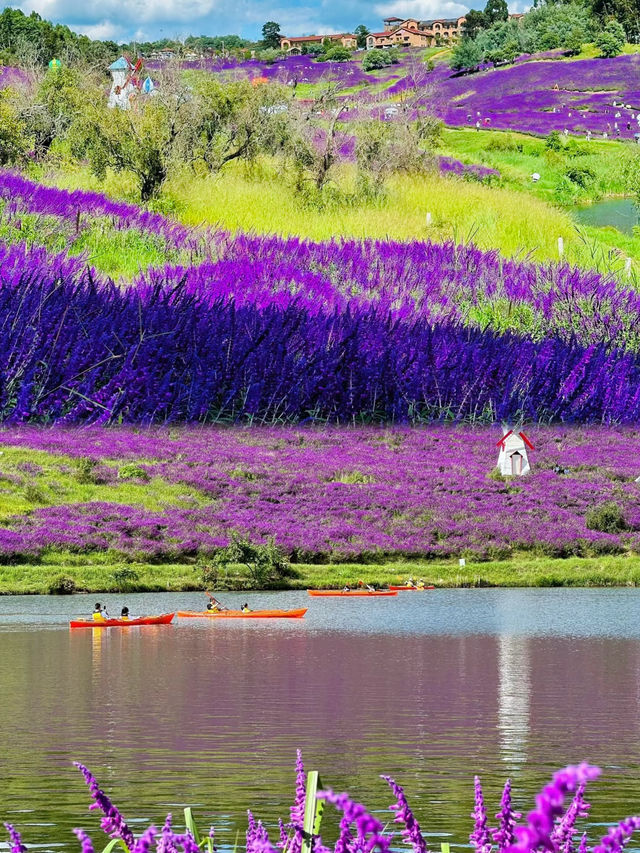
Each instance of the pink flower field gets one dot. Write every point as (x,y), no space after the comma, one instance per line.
(337,493)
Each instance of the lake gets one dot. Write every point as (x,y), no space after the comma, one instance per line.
(429,687)
(620,213)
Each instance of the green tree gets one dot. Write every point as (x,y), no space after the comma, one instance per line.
(265,566)
(361,31)
(611,40)
(271,35)
(574,41)
(496,10)
(338,54)
(474,22)
(146,141)
(14,142)
(466,54)
(57,102)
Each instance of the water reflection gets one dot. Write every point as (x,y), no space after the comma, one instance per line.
(211,715)
(514,698)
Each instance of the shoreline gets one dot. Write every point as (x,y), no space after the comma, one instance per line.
(94,577)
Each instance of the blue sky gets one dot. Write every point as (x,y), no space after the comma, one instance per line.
(148,19)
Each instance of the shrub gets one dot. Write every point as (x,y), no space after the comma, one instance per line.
(611,40)
(34,494)
(606,518)
(266,565)
(376,59)
(132,471)
(124,577)
(62,585)
(553,142)
(580,175)
(85,470)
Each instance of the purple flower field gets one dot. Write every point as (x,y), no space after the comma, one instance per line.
(339,493)
(535,95)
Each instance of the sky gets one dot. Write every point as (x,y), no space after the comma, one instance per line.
(152,19)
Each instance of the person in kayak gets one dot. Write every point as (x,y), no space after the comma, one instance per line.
(124,614)
(100,613)
(245,607)
(215,606)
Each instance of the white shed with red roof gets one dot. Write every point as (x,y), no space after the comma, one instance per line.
(513,460)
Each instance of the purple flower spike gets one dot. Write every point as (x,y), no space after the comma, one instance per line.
(16,839)
(403,814)
(540,822)
(143,844)
(85,841)
(481,835)
(112,823)
(618,836)
(298,807)
(366,825)
(504,835)
(562,835)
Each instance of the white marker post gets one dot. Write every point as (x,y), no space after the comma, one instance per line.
(428,219)
(560,246)
(627,267)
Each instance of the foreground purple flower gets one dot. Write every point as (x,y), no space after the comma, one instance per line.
(549,827)
(113,824)
(403,814)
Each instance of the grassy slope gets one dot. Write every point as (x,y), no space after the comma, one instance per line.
(492,217)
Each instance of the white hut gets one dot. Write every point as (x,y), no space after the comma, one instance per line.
(513,460)
(123,85)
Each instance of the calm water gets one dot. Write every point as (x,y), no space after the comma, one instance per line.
(621,213)
(430,687)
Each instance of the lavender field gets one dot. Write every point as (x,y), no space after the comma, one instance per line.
(324,494)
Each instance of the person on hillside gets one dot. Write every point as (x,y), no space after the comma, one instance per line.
(124,614)
(100,613)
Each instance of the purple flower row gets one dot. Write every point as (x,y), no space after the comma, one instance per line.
(363,832)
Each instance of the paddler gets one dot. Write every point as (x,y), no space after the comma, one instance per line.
(215,606)
(124,614)
(245,607)
(100,613)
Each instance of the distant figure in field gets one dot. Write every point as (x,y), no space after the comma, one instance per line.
(477,125)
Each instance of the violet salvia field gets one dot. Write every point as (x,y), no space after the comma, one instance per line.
(536,95)
(550,827)
(268,329)
(327,493)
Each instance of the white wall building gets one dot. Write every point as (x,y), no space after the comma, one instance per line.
(513,460)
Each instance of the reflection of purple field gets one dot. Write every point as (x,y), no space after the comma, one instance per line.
(345,491)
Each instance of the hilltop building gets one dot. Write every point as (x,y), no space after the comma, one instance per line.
(397,32)
(294,44)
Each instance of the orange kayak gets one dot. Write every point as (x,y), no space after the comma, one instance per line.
(165,619)
(362,592)
(239,614)
(410,588)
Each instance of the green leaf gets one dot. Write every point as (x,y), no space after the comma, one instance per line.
(190,824)
(114,843)
(313,809)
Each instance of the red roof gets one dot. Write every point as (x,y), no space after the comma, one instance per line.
(522,436)
(394,19)
(318,38)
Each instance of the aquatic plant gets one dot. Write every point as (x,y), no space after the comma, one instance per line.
(362,832)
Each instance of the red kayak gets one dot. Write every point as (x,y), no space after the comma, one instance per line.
(165,619)
(410,588)
(240,614)
(355,592)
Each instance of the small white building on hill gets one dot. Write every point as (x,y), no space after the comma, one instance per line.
(513,460)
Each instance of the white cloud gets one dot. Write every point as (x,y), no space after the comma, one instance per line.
(103,30)
(131,14)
